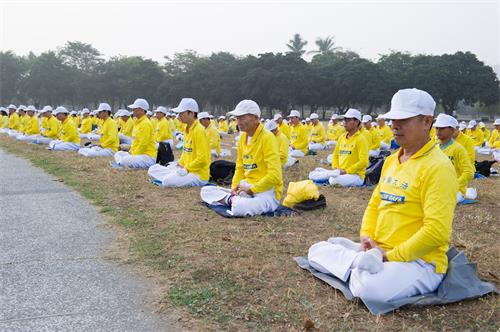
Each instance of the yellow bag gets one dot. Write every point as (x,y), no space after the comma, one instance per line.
(300,191)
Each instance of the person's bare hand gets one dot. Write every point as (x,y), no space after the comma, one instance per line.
(365,243)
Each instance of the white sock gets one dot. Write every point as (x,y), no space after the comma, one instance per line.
(346,243)
(371,261)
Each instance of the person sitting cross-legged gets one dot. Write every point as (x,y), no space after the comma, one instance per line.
(143,150)
(193,168)
(257,183)
(109,141)
(407,225)
(69,140)
(350,157)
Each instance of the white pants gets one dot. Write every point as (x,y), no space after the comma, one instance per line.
(290,162)
(484,151)
(43,140)
(321,174)
(296,153)
(13,133)
(347,180)
(96,151)
(27,138)
(223,133)
(242,206)
(496,155)
(125,159)
(4,130)
(397,280)
(329,159)
(384,146)
(93,137)
(374,153)
(174,177)
(86,136)
(124,139)
(225,153)
(470,193)
(316,147)
(213,153)
(331,143)
(58,145)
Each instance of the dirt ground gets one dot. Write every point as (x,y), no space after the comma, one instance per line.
(239,274)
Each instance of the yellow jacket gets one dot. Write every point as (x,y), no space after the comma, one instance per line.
(144,138)
(494,141)
(258,163)
(334,131)
(299,138)
(461,162)
(351,154)
(283,146)
(86,125)
(4,122)
(372,137)
(163,131)
(128,127)
(233,125)
(486,133)
(69,132)
(411,210)
(14,121)
(385,134)
(32,126)
(23,120)
(468,145)
(213,138)
(318,134)
(196,152)
(477,136)
(223,126)
(285,129)
(53,128)
(109,137)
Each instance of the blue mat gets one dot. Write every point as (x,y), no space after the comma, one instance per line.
(467,201)
(479,176)
(460,282)
(281,211)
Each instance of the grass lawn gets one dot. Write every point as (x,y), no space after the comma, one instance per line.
(238,274)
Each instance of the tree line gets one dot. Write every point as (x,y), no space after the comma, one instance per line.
(77,75)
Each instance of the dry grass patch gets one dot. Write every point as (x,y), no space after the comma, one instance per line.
(238,274)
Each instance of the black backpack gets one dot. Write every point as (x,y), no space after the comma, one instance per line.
(311,204)
(373,171)
(484,167)
(222,171)
(165,154)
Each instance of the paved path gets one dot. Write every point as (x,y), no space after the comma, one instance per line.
(52,274)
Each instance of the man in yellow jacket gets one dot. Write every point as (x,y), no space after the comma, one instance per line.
(212,133)
(467,143)
(283,144)
(86,124)
(372,136)
(223,126)
(282,125)
(109,141)
(494,141)
(385,133)
(407,224)
(4,120)
(142,153)
(163,132)
(299,140)
(317,141)
(350,157)
(14,121)
(257,183)
(475,133)
(125,131)
(51,127)
(32,127)
(446,126)
(69,140)
(334,130)
(193,168)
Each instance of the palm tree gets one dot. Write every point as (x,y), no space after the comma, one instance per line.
(326,45)
(297,44)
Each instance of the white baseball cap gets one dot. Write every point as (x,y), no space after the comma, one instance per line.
(60,110)
(408,103)
(294,113)
(314,116)
(21,107)
(104,107)
(277,116)
(497,122)
(481,125)
(222,117)
(187,104)
(12,106)
(126,113)
(149,113)
(366,118)
(31,108)
(140,103)
(462,126)
(472,124)
(47,108)
(445,120)
(271,125)
(72,113)
(161,109)
(86,111)
(352,113)
(380,117)
(203,115)
(335,117)
(246,106)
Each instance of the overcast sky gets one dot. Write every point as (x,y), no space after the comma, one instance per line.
(157,28)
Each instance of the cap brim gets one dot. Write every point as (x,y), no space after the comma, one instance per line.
(398,115)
